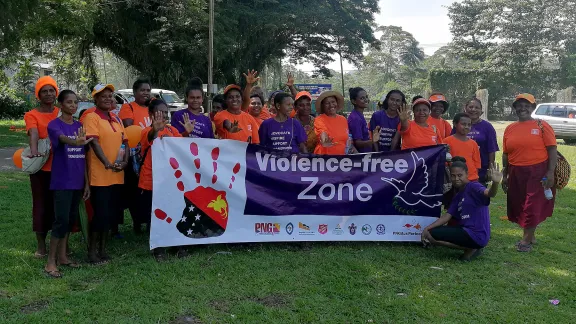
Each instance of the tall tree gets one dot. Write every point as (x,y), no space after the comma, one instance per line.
(167,39)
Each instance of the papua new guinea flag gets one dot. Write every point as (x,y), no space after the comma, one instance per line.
(206,213)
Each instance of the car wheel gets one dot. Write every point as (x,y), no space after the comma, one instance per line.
(570,141)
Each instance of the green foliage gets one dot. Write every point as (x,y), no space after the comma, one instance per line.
(168,39)
(26,76)
(12,105)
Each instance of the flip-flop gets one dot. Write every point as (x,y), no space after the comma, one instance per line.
(53,274)
(476,254)
(523,247)
(99,262)
(40,255)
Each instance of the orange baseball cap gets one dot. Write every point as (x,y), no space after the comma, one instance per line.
(525,96)
(438,97)
(232,87)
(421,101)
(303,94)
(101,87)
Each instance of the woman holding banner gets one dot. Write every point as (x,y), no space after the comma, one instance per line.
(331,128)
(469,208)
(387,119)
(529,158)
(418,132)
(282,132)
(233,123)
(158,111)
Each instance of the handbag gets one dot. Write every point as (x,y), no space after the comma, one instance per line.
(563,170)
(32,165)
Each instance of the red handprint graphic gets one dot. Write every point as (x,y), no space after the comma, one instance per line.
(206,211)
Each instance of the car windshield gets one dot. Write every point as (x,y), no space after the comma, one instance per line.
(555,110)
(85,105)
(171,98)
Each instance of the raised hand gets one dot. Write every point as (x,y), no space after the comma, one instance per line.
(158,121)
(325,140)
(187,124)
(81,137)
(234,128)
(290,82)
(404,113)
(251,77)
(376,135)
(495,174)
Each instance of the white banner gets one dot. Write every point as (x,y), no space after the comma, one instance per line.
(200,197)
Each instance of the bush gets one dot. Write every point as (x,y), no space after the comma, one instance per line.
(12,106)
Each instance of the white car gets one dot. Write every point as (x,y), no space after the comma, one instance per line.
(174,102)
(562,118)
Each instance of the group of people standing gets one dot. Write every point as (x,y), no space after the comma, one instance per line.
(91,158)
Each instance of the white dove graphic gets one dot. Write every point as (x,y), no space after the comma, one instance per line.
(411,193)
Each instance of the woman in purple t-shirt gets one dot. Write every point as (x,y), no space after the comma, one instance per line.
(357,123)
(282,132)
(387,119)
(69,179)
(202,124)
(470,208)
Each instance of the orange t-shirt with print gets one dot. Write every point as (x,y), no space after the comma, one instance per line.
(89,110)
(145,181)
(39,120)
(417,136)
(442,126)
(139,114)
(335,127)
(525,144)
(248,125)
(110,134)
(470,151)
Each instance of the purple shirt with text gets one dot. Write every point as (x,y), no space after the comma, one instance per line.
(69,162)
(470,208)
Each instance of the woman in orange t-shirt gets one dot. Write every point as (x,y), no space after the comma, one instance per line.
(331,128)
(418,132)
(136,113)
(37,121)
(255,110)
(463,146)
(233,123)
(106,166)
(158,110)
(439,105)
(529,160)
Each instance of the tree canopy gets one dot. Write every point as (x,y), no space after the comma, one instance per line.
(167,39)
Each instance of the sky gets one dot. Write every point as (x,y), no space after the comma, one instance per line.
(426,20)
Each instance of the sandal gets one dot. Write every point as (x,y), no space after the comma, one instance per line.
(98,262)
(53,274)
(521,247)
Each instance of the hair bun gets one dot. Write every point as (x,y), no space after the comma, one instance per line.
(458,159)
(195,81)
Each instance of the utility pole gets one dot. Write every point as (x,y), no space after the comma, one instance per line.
(210,54)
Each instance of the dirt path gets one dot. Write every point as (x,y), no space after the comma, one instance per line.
(6,159)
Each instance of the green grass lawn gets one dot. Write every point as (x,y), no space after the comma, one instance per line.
(279,283)
(10,138)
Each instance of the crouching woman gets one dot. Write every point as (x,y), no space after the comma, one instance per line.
(470,209)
